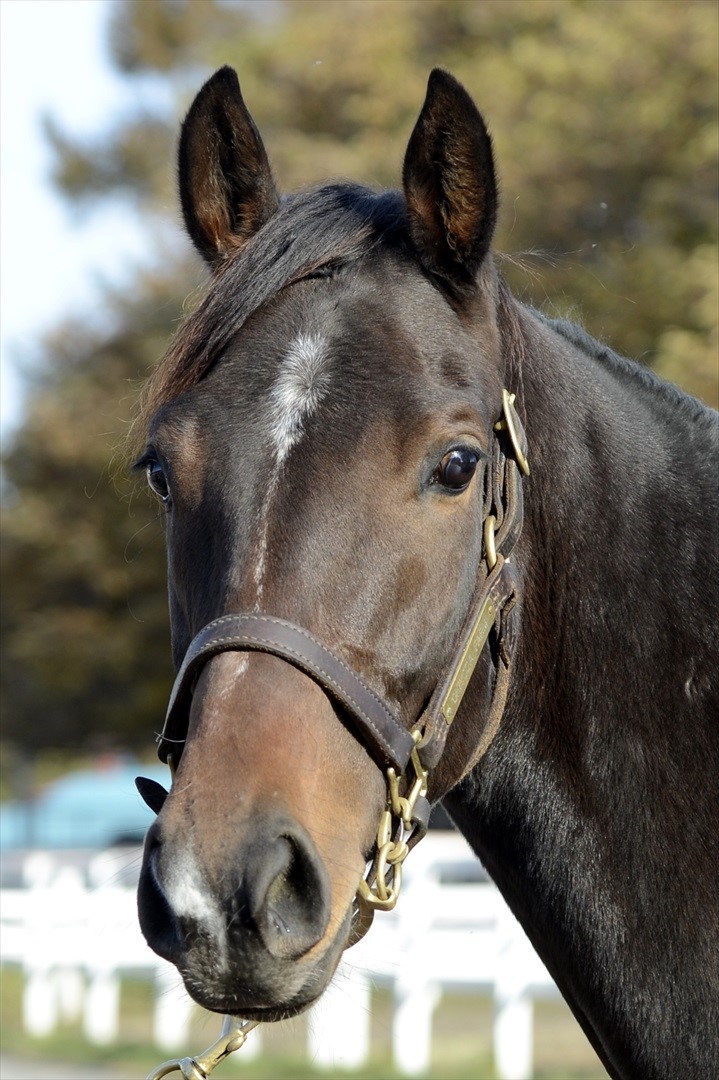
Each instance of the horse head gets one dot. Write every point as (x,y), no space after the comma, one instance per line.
(321,438)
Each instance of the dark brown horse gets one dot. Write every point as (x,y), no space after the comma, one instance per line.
(344,482)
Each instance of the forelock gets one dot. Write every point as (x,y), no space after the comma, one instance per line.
(311,231)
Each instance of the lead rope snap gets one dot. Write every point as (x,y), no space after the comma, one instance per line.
(233,1036)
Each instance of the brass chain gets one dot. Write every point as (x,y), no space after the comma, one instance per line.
(380,887)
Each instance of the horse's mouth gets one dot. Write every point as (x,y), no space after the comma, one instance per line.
(273,991)
(242,1001)
(265,1015)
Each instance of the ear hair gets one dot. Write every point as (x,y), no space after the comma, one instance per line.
(226,186)
(449,183)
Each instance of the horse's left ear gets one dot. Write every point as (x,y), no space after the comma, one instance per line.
(449,183)
(226,184)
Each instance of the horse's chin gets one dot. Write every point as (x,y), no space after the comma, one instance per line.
(284,991)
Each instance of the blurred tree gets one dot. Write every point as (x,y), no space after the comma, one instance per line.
(84,618)
(605,126)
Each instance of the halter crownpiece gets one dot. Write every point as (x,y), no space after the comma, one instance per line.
(406,757)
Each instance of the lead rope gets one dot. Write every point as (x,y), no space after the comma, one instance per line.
(404,821)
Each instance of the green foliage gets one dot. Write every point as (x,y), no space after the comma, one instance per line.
(85,629)
(122,166)
(605,125)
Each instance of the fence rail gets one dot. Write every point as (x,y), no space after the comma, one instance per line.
(75,936)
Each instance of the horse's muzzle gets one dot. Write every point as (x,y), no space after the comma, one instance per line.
(239,938)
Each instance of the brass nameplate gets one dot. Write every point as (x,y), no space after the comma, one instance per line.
(468,660)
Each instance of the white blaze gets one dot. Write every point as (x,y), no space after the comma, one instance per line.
(301,383)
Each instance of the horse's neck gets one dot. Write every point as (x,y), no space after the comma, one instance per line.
(595,808)
(622,515)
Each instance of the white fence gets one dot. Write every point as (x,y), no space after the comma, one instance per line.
(76,935)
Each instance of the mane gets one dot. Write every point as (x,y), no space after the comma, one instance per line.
(628,371)
(312,231)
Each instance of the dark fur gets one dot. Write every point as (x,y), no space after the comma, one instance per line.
(312,233)
(595,808)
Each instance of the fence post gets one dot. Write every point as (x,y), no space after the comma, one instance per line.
(39,999)
(513,1006)
(69,903)
(338,1032)
(101,1016)
(415,992)
(71,993)
(173,1008)
(412,1026)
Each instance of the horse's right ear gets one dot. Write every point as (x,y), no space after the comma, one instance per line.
(226,184)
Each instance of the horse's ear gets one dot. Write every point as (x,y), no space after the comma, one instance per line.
(449,183)
(226,184)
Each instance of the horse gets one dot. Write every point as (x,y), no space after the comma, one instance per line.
(425,542)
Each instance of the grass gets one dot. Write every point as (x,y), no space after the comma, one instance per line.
(462,1046)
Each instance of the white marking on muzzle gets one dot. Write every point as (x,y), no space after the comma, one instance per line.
(188,900)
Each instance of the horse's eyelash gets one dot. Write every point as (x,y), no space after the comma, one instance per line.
(469,445)
(143,461)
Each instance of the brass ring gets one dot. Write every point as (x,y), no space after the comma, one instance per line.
(490,549)
(508,408)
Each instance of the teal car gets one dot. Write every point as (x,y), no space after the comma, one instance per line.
(92,808)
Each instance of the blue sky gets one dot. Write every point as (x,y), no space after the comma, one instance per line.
(53,60)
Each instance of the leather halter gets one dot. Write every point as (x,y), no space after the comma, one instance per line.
(373,721)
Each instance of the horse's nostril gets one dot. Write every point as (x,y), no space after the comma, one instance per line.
(279,911)
(286,892)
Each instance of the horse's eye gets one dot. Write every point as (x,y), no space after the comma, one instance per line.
(457,468)
(157,480)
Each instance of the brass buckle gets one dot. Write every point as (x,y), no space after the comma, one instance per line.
(507,424)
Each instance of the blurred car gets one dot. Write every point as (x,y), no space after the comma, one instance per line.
(90,808)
